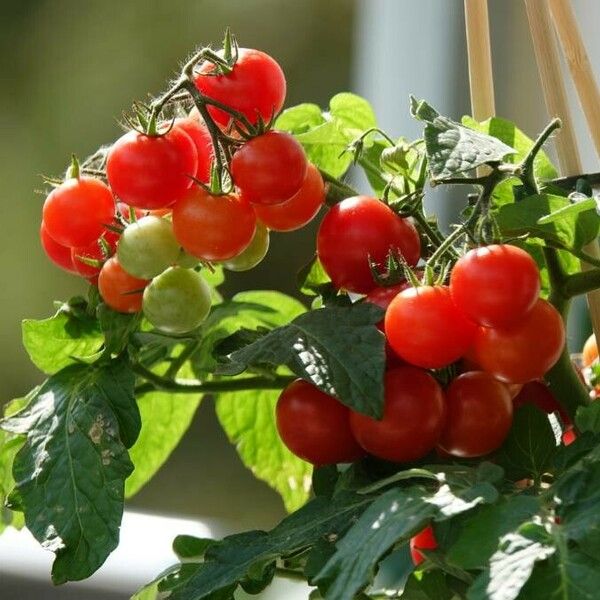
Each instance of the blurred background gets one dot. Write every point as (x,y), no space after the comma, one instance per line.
(67,71)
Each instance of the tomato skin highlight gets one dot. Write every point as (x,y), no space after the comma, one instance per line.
(479,415)
(270,168)
(424,540)
(426,329)
(115,285)
(495,285)
(413,417)
(60,255)
(358,228)
(152,171)
(525,350)
(255,87)
(315,426)
(200,135)
(213,227)
(300,209)
(76,211)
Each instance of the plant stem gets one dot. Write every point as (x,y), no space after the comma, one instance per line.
(581,283)
(528,174)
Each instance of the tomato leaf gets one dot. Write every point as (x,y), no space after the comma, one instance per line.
(117,327)
(338,349)
(313,280)
(588,418)
(70,473)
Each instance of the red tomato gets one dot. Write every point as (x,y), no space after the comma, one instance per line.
(119,289)
(125,211)
(569,436)
(300,209)
(468,363)
(479,415)
(255,87)
(495,285)
(213,227)
(152,171)
(425,328)
(76,212)
(356,230)
(315,426)
(424,540)
(539,394)
(590,351)
(58,254)
(525,350)
(270,168)
(201,138)
(413,417)
(93,251)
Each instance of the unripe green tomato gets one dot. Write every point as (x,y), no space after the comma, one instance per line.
(187,260)
(177,301)
(253,254)
(147,247)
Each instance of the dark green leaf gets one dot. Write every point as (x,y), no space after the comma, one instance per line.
(427,585)
(188,547)
(588,418)
(117,327)
(338,349)
(324,480)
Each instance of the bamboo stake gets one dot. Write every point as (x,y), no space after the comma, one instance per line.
(480,59)
(579,65)
(553,87)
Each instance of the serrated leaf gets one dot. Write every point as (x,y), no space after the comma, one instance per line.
(70,473)
(315,346)
(61,340)
(248,419)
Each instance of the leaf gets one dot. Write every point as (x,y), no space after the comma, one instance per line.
(530,447)
(248,419)
(300,118)
(165,418)
(61,340)
(214,277)
(588,418)
(338,349)
(427,585)
(569,211)
(117,327)
(353,112)
(453,149)
(312,278)
(71,471)
(188,547)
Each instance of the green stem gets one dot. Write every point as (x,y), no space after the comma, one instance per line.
(527,165)
(179,360)
(581,283)
(434,236)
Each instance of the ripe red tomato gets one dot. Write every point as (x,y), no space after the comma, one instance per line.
(356,230)
(495,285)
(255,87)
(58,254)
(315,426)
(424,540)
(479,415)
(270,168)
(152,171)
(425,328)
(76,211)
(525,350)
(300,209)
(93,251)
(468,363)
(213,227)
(589,352)
(413,417)
(201,138)
(539,394)
(119,289)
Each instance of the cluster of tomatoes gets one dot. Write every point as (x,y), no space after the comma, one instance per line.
(488,325)
(141,232)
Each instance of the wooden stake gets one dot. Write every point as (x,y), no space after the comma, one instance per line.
(480,59)
(579,64)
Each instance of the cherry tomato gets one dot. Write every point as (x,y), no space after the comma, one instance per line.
(152,171)
(479,415)
(58,254)
(76,211)
(94,251)
(270,168)
(425,328)
(253,254)
(300,209)
(495,285)
(315,426)
(413,417)
(125,211)
(177,301)
(539,394)
(468,363)
(525,350)
(255,87)
(147,247)
(202,140)
(424,540)
(360,229)
(590,351)
(213,227)
(119,290)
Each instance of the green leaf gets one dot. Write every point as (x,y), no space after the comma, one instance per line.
(352,112)
(248,419)
(530,447)
(214,277)
(188,547)
(453,149)
(61,340)
(312,279)
(315,346)
(71,471)
(588,418)
(569,211)
(300,118)
(427,585)
(117,327)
